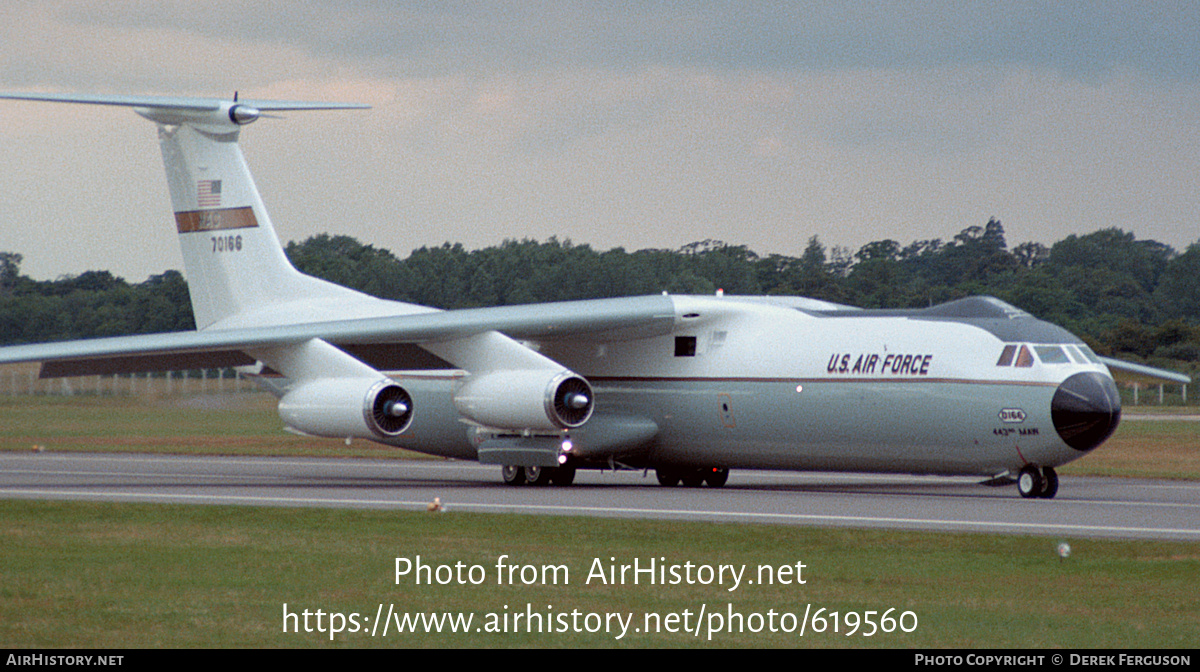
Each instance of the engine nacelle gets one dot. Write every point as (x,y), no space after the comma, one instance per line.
(526,400)
(348,407)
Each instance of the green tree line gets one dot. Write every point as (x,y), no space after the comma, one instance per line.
(1135,299)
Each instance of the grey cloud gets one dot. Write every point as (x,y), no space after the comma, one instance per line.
(1085,39)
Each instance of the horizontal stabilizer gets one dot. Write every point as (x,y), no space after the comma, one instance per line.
(180,103)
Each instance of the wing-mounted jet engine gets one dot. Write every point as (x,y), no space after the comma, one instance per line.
(536,401)
(524,417)
(358,408)
(521,403)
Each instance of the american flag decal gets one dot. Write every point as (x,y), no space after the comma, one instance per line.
(208,193)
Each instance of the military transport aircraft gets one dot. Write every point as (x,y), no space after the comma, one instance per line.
(690,386)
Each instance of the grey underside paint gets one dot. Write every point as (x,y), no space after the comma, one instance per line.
(917,427)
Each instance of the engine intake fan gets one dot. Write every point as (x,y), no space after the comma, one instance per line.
(391,410)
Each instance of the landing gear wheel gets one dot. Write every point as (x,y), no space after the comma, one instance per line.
(716,476)
(1049,483)
(512,475)
(667,477)
(693,478)
(538,475)
(562,476)
(1030,483)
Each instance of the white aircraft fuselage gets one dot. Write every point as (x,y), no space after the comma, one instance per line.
(753,382)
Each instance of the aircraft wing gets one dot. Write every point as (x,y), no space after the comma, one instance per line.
(1128,372)
(600,319)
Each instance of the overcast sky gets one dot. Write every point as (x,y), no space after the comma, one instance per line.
(620,124)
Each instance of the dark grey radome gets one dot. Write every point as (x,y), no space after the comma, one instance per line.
(1086,409)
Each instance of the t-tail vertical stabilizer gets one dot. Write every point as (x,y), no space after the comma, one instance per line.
(238,274)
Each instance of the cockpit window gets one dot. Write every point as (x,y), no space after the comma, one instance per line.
(1087,352)
(1006,357)
(1024,357)
(1052,354)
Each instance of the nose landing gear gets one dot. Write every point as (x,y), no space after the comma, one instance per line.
(1033,483)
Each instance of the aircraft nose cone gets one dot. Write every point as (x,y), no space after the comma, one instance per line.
(1086,409)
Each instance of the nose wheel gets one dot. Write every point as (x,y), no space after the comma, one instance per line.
(1033,483)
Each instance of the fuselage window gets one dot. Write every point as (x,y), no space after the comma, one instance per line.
(1024,357)
(685,346)
(1051,354)
(1006,356)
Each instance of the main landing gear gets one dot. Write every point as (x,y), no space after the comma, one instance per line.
(691,477)
(514,475)
(1040,484)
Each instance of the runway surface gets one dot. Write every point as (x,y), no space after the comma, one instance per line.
(1085,506)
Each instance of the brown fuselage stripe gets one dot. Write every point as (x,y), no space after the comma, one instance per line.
(808,381)
(215,220)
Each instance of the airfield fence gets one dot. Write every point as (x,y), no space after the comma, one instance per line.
(23,380)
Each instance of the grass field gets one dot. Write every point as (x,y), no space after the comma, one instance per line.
(126,575)
(1146,448)
(103,575)
(215,424)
